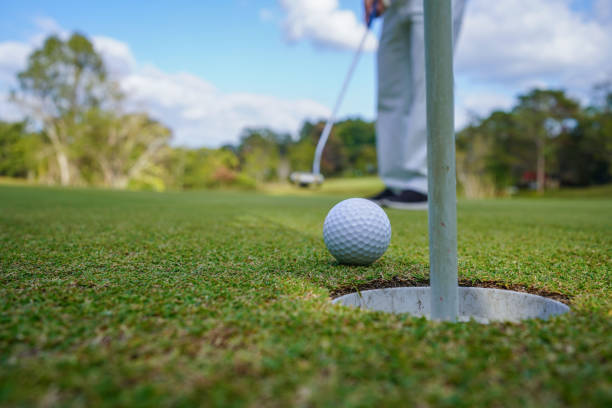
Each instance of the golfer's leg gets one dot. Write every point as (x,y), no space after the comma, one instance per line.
(415,160)
(401,127)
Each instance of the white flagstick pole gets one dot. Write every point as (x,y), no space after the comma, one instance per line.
(441,160)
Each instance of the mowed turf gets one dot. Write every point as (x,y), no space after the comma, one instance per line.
(222,299)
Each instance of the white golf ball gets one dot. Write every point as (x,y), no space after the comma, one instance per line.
(357,231)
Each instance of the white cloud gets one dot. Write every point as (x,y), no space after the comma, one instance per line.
(201,114)
(116,54)
(603,11)
(14,54)
(9,111)
(13,57)
(522,41)
(198,113)
(477,104)
(323,23)
(508,47)
(48,25)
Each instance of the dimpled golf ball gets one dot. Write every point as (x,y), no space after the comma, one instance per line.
(357,231)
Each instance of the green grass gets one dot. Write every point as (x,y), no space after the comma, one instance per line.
(354,187)
(222,299)
(603,191)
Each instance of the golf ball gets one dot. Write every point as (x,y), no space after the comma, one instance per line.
(357,231)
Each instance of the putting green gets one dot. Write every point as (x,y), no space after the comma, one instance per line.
(222,299)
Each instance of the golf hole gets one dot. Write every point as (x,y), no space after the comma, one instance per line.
(483,305)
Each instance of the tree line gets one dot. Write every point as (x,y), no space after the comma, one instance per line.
(546,140)
(77,132)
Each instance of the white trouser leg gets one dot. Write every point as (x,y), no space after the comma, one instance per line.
(401,126)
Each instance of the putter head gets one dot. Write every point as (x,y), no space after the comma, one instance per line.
(304,179)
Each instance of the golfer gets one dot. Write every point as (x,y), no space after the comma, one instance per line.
(401,127)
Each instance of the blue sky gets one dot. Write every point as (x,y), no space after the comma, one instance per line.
(276,63)
(226,42)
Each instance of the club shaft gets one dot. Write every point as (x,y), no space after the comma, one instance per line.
(316,165)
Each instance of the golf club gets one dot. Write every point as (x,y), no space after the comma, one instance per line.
(305,179)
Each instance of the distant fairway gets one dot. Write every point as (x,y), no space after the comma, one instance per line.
(222,299)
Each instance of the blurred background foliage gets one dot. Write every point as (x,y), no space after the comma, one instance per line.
(77,132)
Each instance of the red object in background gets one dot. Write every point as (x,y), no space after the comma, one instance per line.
(529,176)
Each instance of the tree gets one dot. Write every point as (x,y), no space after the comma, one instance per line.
(585,152)
(602,97)
(492,154)
(63,81)
(122,146)
(473,147)
(18,150)
(544,115)
(259,154)
(359,141)
(301,152)
(208,168)
(545,133)
(334,159)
